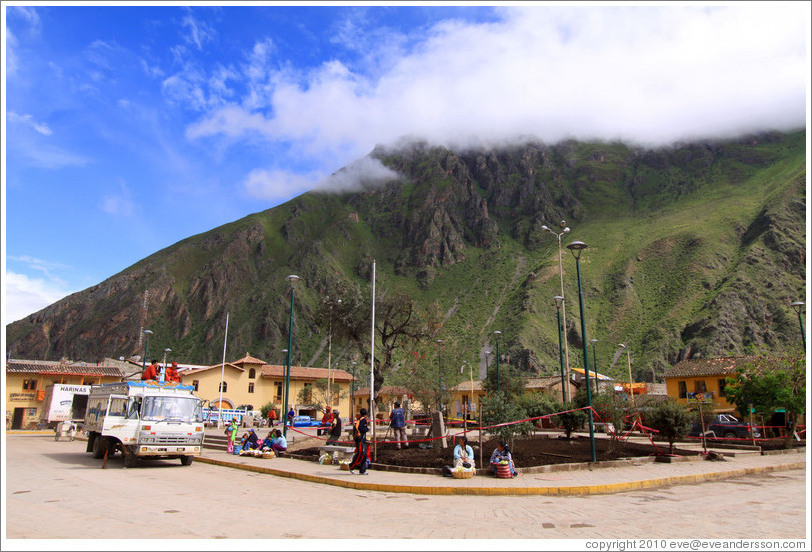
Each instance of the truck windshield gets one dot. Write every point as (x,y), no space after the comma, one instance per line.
(172,409)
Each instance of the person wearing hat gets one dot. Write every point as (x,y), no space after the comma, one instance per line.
(172,373)
(326,421)
(251,441)
(335,428)
(360,458)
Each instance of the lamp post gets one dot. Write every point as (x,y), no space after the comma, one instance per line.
(468,403)
(559,302)
(352,395)
(163,371)
(439,377)
(498,335)
(330,354)
(564,229)
(595,362)
(146,346)
(576,248)
(284,415)
(798,306)
(631,387)
(292,279)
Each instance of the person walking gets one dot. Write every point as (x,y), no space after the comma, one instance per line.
(272,417)
(360,458)
(397,421)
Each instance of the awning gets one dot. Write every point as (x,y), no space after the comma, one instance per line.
(592,374)
(637,388)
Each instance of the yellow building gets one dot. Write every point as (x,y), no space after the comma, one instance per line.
(461,393)
(251,381)
(27,380)
(706,376)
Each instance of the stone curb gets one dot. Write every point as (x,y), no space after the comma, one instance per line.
(610,488)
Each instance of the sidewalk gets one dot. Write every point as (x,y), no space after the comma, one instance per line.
(598,480)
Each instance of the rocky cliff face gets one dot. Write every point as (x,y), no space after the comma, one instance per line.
(694,250)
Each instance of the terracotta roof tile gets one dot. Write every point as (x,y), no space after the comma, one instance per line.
(62,368)
(719,366)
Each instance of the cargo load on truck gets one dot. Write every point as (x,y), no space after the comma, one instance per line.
(144,420)
(64,403)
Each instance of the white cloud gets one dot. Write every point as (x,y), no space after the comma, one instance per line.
(24,295)
(647,75)
(276,185)
(119,204)
(361,173)
(199,32)
(29,121)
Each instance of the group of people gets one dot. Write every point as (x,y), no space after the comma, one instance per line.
(153,372)
(464,458)
(275,440)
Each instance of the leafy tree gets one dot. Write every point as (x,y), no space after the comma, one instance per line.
(511,382)
(570,418)
(537,404)
(399,323)
(316,393)
(266,409)
(671,419)
(768,384)
(498,409)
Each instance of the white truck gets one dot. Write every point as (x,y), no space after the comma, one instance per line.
(64,403)
(144,420)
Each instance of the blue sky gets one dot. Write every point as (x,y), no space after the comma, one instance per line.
(128,128)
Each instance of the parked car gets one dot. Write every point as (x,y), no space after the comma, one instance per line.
(726,426)
(304,421)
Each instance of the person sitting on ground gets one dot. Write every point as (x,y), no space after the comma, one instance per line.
(250,441)
(500,454)
(268,441)
(335,429)
(464,455)
(279,444)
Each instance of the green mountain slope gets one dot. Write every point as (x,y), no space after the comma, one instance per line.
(693,250)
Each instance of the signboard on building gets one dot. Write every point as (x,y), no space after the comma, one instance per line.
(705,397)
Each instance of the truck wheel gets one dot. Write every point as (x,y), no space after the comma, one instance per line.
(99,446)
(730,435)
(186,460)
(130,458)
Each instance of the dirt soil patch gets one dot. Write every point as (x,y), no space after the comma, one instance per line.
(527,452)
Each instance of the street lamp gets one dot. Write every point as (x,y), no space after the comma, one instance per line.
(329,353)
(284,414)
(595,362)
(146,346)
(352,394)
(439,378)
(798,306)
(631,387)
(292,279)
(163,371)
(498,335)
(559,300)
(564,229)
(576,248)
(470,401)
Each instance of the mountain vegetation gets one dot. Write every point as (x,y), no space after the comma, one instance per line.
(692,250)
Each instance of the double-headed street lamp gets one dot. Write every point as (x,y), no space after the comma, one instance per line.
(292,279)
(564,229)
(576,248)
(798,306)
(559,303)
(163,371)
(146,346)
(498,335)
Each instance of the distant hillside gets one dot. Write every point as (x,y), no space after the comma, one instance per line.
(694,250)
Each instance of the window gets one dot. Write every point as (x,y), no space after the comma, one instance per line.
(251,387)
(252,374)
(223,386)
(30,384)
(683,389)
(722,382)
(278,396)
(699,386)
(195,384)
(118,407)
